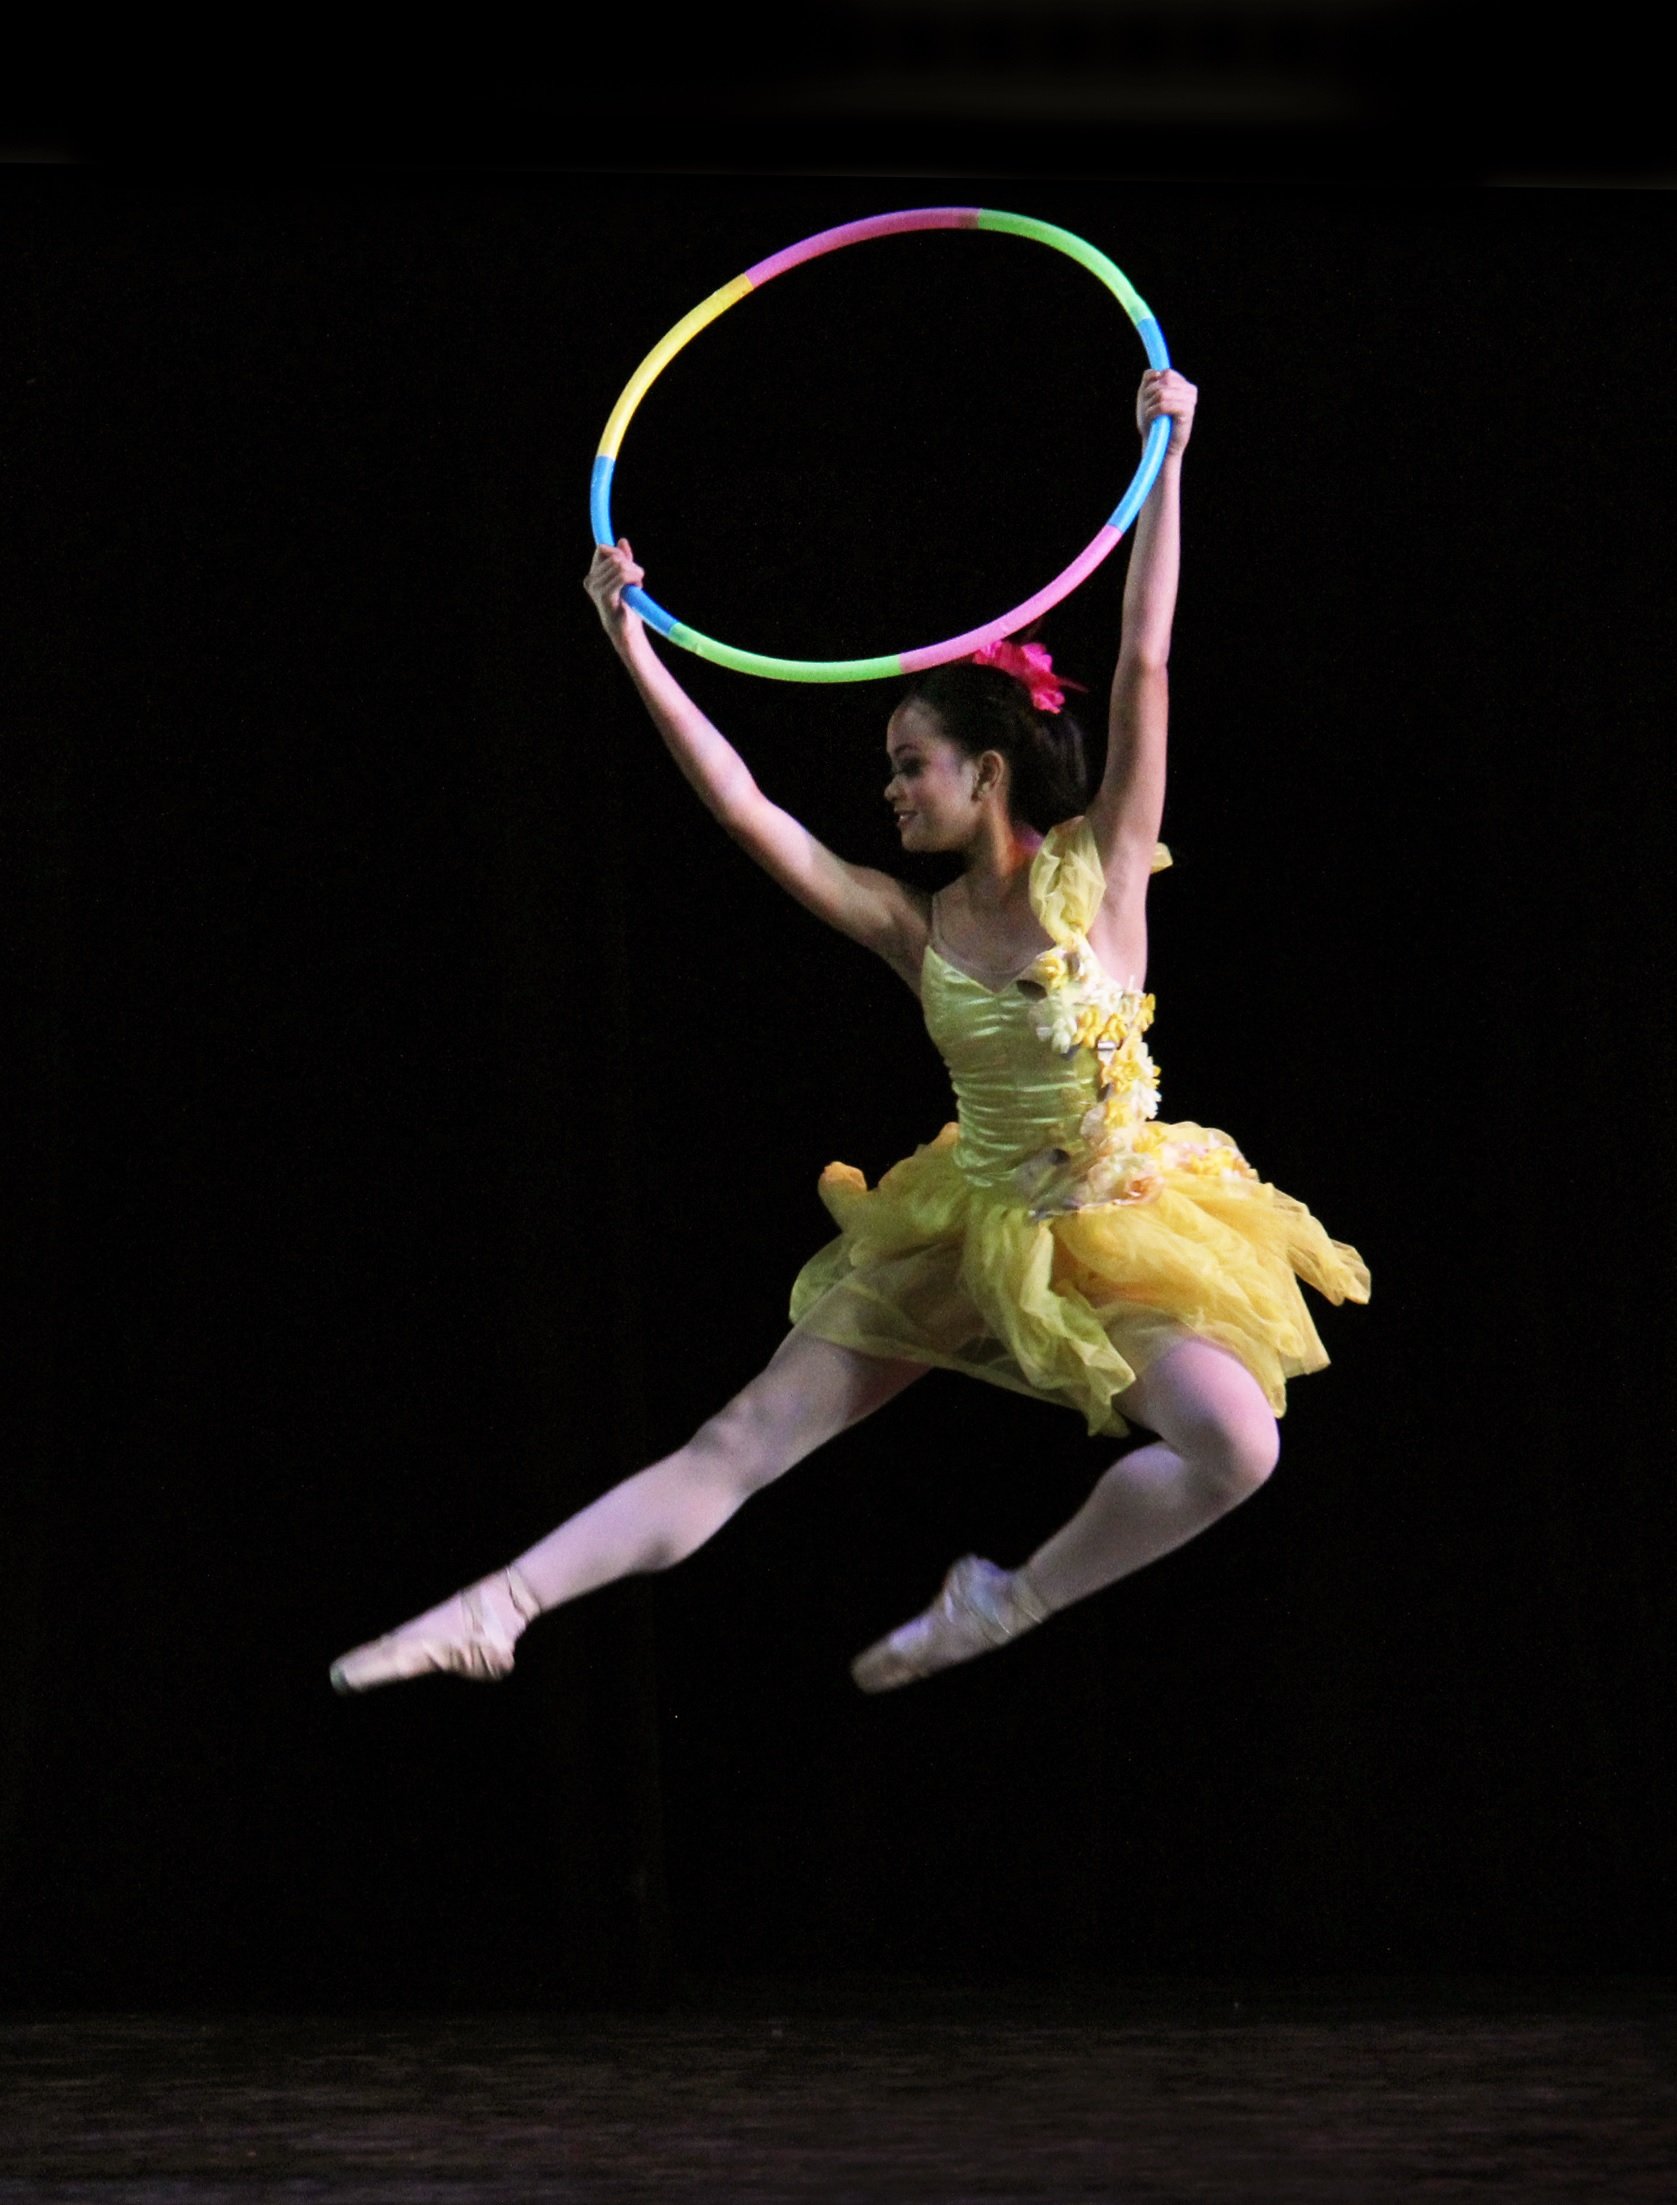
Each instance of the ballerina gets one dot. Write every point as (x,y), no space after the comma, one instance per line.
(1058,1238)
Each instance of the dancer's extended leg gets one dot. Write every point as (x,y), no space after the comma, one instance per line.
(1217,1443)
(809,1392)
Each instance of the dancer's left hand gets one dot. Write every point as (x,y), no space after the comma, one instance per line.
(1165,392)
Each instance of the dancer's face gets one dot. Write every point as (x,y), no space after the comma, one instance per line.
(936,791)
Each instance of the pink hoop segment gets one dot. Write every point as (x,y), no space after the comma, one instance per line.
(963,646)
(858,233)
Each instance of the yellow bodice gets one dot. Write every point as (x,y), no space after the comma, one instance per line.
(1055,1088)
(1015,1093)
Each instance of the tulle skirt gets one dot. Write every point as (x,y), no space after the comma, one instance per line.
(1072,1308)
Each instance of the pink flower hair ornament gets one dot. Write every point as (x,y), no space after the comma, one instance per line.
(1031,664)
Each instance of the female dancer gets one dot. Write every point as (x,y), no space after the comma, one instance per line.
(1059,1240)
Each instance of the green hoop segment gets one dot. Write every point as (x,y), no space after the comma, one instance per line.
(893,663)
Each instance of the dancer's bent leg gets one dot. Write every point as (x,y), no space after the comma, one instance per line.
(1217,1443)
(809,1392)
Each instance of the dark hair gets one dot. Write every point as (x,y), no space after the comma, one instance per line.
(981,708)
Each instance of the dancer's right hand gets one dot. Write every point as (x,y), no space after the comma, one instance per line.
(614,567)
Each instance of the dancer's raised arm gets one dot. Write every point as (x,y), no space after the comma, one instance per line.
(873,908)
(1129,805)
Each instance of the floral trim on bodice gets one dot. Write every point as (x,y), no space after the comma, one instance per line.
(1118,1155)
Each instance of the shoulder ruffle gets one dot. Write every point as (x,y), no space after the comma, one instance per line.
(1067,882)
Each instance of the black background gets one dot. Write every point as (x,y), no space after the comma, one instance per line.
(423,1103)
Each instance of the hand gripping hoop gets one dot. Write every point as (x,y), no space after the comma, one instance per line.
(811,248)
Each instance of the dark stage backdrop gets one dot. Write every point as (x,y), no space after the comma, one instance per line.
(424,1102)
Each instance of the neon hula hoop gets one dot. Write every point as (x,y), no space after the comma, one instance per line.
(830,241)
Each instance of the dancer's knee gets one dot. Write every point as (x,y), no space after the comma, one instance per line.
(742,1448)
(810,1391)
(1203,1402)
(1232,1452)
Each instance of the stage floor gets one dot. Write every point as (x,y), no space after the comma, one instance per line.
(866,2095)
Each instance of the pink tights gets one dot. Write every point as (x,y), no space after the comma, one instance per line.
(1216,1443)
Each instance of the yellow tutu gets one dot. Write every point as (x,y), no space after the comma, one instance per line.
(1058,1237)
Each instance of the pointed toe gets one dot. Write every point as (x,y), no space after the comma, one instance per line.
(978,1607)
(460,1639)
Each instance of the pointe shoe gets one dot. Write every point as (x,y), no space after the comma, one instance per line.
(978,1607)
(463,1637)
